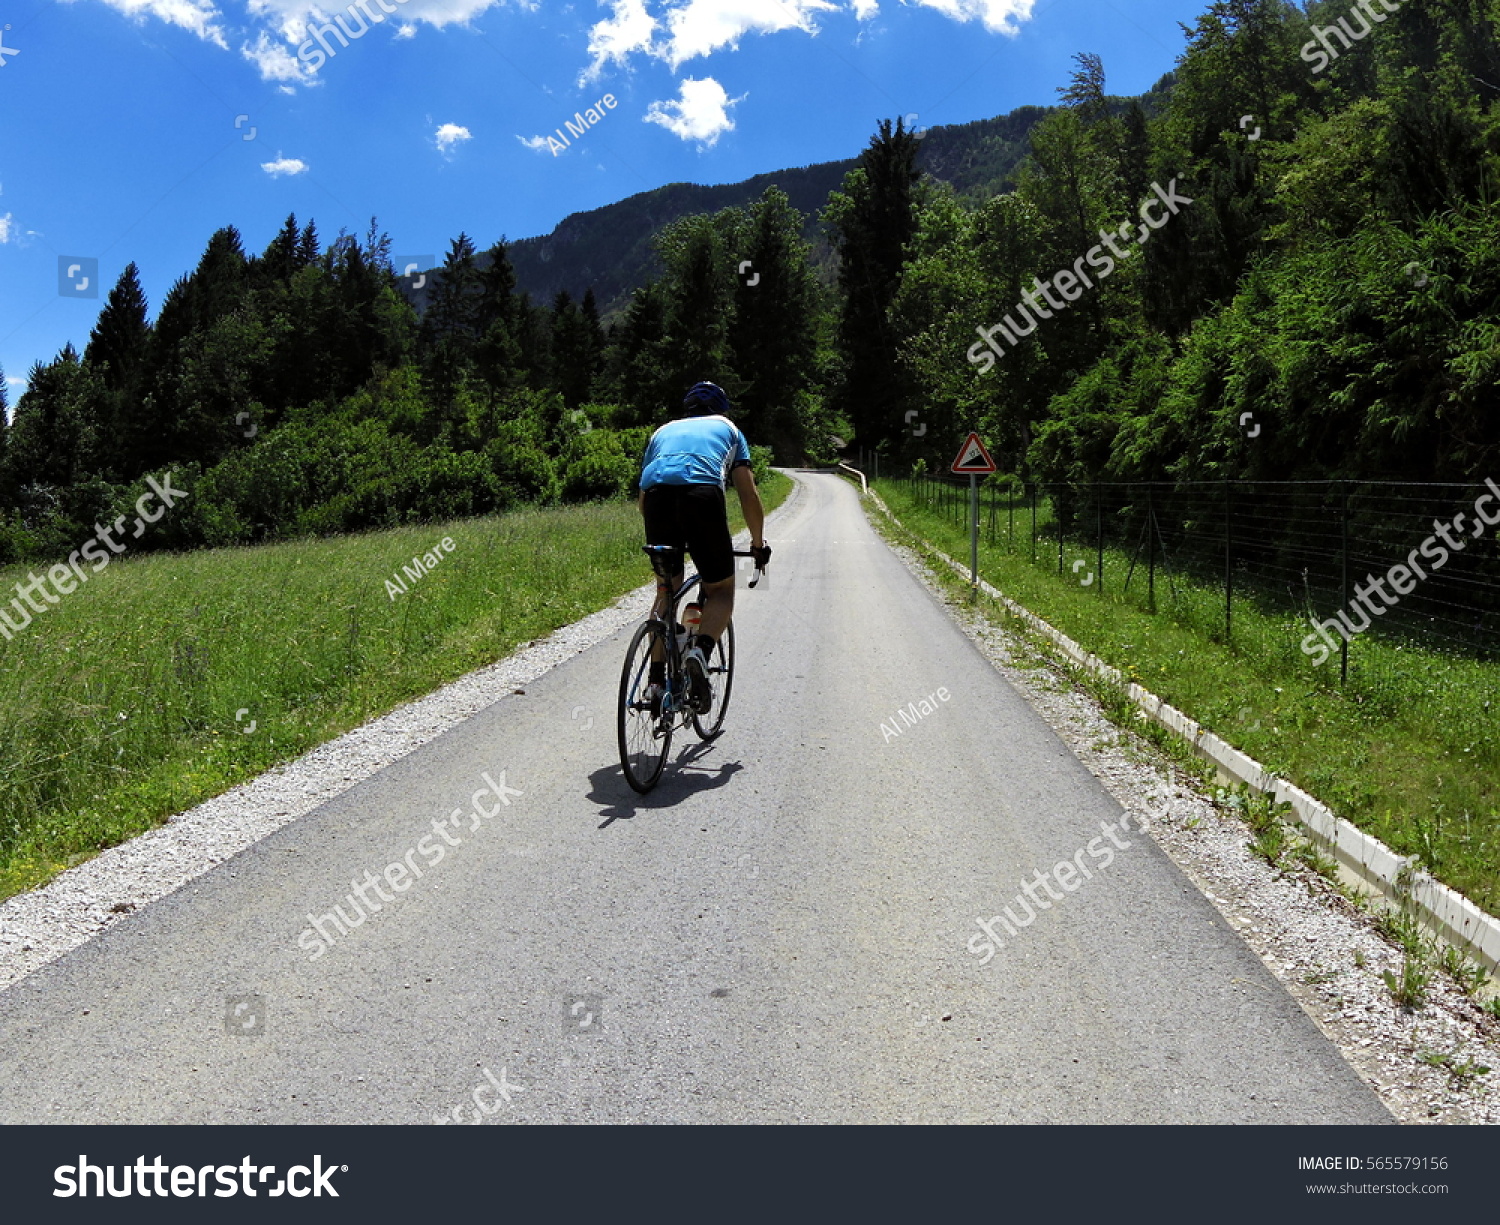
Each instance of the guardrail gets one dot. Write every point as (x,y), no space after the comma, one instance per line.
(864,484)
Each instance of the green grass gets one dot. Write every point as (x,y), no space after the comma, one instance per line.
(118,705)
(1408,749)
(1467,974)
(1409,988)
(1463,1071)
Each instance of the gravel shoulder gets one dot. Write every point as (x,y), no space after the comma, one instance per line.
(1321,946)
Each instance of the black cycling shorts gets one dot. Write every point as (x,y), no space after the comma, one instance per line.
(695,517)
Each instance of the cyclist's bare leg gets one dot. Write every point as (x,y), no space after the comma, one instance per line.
(718,607)
(664,590)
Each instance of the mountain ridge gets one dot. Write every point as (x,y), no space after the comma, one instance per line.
(609,248)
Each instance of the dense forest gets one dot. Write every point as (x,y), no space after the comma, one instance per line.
(1336,274)
(1323,253)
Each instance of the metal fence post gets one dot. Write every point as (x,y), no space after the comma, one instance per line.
(1033,524)
(1099,515)
(1151,548)
(1344,565)
(1228,560)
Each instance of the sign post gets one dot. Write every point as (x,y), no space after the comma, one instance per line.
(973,461)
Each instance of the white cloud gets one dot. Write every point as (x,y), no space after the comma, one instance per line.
(291,22)
(276,63)
(701,113)
(998,16)
(284,165)
(291,17)
(701,27)
(689,29)
(451,134)
(631,29)
(198,17)
(11,232)
(538,143)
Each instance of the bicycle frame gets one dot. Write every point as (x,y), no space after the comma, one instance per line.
(668,561)
(644,728)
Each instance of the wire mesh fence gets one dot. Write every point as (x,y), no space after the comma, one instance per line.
(1418,562)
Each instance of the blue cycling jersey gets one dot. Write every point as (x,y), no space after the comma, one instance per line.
(694,451)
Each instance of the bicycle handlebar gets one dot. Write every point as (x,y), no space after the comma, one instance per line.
(759,570)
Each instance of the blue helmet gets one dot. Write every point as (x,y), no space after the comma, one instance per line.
(706,400)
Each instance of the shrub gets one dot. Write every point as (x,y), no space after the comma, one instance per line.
(524,472)
(760,464)
(594,466)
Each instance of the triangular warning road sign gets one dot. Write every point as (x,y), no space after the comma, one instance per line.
(973,459)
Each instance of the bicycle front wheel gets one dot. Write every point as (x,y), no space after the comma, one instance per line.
(710,723)
(645,735)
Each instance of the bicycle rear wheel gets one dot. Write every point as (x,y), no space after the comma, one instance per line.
(645,736)
(710,723)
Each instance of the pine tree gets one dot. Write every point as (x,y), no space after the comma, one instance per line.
(122,334)
(534,340)
(282,255)
(118,349)
(48,442)
(450,327)
(307,245)
(592,326)
(497,289)
(647,385)
(497,354)
(453,308)
(573,352)
(195,302)
(698,288)
(775,326)
(873,220)
(164,424)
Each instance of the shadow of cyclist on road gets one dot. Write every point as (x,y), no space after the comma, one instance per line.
(617,802)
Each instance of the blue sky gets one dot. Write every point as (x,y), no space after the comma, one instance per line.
(132,129)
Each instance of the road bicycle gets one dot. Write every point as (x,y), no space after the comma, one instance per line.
(647,722)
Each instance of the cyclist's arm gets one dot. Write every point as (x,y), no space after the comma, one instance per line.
(755,513)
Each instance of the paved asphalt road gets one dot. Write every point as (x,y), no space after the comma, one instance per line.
(778,933)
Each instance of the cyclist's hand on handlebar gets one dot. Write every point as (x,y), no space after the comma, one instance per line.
(762,555)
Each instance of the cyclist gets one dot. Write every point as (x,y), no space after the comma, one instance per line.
(687,465)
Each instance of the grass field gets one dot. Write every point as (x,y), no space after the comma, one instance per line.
(133,698)
(1408,749)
